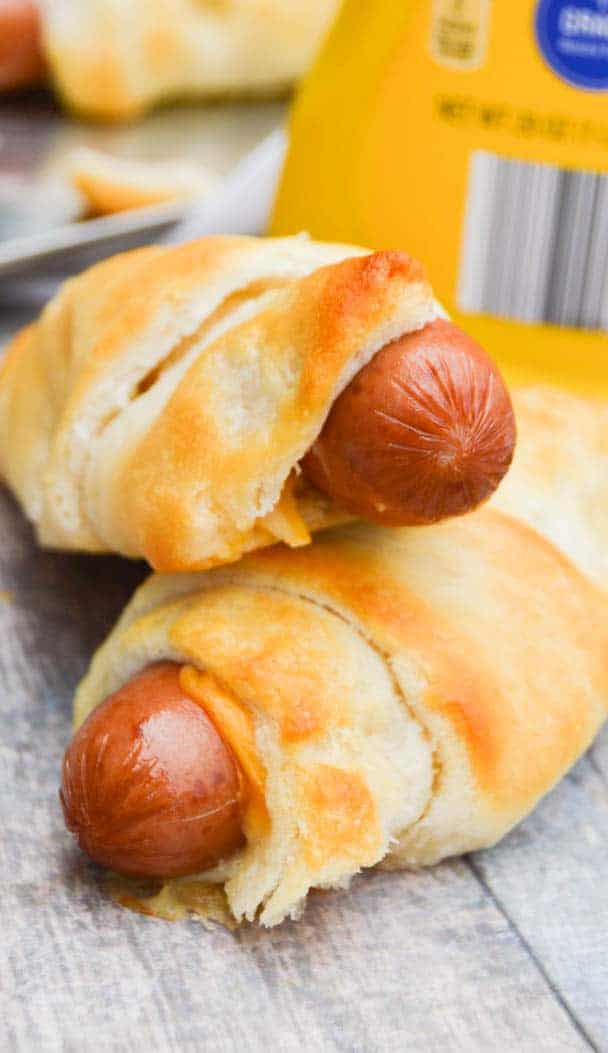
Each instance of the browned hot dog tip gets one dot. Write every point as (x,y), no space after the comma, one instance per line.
(424,432)
(21,58)
(149,787)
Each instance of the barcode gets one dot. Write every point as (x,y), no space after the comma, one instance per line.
(535,244)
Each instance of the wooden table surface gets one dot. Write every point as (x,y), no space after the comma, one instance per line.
(504,950)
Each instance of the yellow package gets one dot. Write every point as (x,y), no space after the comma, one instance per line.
(473,133)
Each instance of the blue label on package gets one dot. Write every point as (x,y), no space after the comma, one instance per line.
(573,37)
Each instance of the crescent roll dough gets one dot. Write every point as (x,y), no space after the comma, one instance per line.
(413,692)
(113,59)
(558,482)
(161,404)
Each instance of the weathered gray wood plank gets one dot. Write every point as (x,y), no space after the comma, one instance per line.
(446,973)
(427,961)
(550,879)
(598,758)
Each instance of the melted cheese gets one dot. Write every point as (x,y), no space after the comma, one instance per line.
(235,725)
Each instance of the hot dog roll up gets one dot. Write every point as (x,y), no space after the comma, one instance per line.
(112,60)
(189,404)
(388,696)
(21,59)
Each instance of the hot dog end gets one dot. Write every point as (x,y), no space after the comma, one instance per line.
(424,432)
(149,786)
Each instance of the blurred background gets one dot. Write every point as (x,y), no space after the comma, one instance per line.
(470,133)
(119,120)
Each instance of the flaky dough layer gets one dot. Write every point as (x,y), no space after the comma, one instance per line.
(160,405)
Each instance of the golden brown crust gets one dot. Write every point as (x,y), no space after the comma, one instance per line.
(316,327)
(389,586)
(342,816)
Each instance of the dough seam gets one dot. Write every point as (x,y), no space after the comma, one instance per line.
(436,762)
(233,300)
